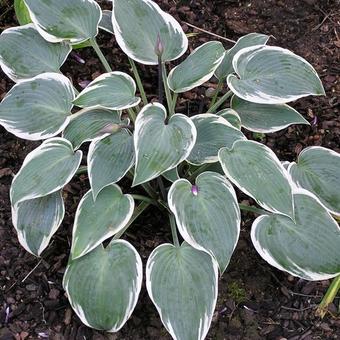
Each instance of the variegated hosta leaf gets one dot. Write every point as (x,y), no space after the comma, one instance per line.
(198,68)
(114,90)
(25,54)
(182,283)
(38,108)
(109,159)
(138,23)
(207,215)
(318,170)
(256,170)
(103,286)
(213,133)
(89,124)
(309,248)
(160,147)
(106,21)
(97,220)
(37,220)
(266,118)
(232,117)
(45,170)
(226,66)
(171,175)
(273,75)
(64,20)
(21,12)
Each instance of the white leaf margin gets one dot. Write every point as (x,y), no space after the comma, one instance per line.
(205,323)
(276,161)
(181,226)
(39,135)
(169,20)
(296,184)
(140,125)
(90,153)
(135,294)
(45,242)
(94,86)
(53,39)
(268,258)
(269,99)
(201,80)
(108,234)
(38,152)
(218,120)
(7,70)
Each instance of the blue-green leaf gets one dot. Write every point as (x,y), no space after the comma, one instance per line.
(256,170)
(273,75)
(37,220)
(45,170)
(63,20)
(103,286)
(308,248)
(264,118)
(318,170)
(182,284)
(198,68)
(138,26)
(98,219)
(24,54)
(160,147)
(207,215)
(114,91)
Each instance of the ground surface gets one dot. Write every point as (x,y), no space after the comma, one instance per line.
(255,300)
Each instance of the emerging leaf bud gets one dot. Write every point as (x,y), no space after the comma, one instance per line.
(194,190)
(159,47)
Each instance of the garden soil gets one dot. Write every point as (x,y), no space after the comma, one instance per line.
(256,301)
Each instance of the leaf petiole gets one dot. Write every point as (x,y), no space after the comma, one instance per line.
(100,55)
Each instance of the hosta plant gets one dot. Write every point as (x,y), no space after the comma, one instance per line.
(186,163)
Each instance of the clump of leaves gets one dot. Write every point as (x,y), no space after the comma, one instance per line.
(187,166)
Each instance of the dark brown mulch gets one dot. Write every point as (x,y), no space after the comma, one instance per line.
(255,300)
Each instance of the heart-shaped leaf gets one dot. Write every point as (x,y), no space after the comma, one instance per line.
(198,68)
(103,286)
(160,147)
(37,220)
(138,26)
(226,66)
(89,124)
(318,171)
(106,21)
(207,215)
(266,118)
(25,54)
(64,20)
(21,12)
(114,90)
(309,248)
(97,220)
(182,284)
(109,159)
(273,75)
(213,133)
(45,170)
(256,170)
(232,117)
(38,108)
